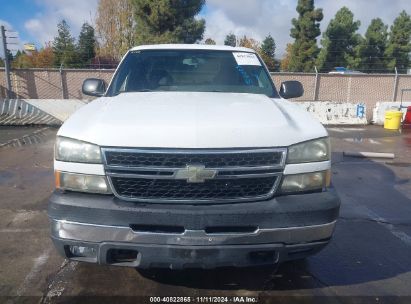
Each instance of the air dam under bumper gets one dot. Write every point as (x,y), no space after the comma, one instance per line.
(148,235)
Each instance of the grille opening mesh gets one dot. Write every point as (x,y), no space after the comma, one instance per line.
(157,228)
(181,190)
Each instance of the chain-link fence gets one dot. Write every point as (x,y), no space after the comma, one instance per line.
(355,88)
(50,83)
(367,88)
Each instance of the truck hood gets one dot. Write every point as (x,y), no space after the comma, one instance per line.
(191,120)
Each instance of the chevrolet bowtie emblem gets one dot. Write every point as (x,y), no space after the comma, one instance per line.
(195,174)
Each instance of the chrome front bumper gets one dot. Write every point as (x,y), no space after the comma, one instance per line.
(62,229)
(190,249)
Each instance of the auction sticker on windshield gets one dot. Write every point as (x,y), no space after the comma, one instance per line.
(243,58)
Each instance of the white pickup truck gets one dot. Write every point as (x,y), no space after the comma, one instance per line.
(191,158)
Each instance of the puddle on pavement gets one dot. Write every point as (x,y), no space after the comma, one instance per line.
(407,141)
(343,130)
(34,138)
(363,140)
(4,176)
(369,132)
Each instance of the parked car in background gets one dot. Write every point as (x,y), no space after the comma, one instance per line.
(344,71)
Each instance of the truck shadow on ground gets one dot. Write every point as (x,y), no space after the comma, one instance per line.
(371,242)
(250,278)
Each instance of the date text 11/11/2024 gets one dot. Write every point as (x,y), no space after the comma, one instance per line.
(209,299)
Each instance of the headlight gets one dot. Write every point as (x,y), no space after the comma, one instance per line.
(82,182)
(71,150)
(311,151)
(305,182)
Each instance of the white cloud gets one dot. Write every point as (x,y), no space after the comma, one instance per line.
(5,24)
(44,25)
(259,18)
(256,18)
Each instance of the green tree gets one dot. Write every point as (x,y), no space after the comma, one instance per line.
(34,59)
(285,62)
(22,60)
(339,41)
(210,41)
(43,58)
(168,21)
(370,52)
(10,55)
(399,44)
(64,48)
(86,44)
(230,40)
(115,26)
(306,29)
(267,52)
(18,54)
(250,43)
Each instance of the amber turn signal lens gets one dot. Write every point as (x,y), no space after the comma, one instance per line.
(57,179)
(327,178)
(311,181)
(82,182)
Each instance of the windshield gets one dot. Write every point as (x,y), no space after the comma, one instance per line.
(192,71)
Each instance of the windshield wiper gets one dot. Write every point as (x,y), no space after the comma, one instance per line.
(142,90)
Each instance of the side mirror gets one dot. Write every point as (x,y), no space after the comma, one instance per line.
(94,87)
(291,89)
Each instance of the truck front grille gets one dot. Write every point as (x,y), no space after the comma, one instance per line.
(194,175)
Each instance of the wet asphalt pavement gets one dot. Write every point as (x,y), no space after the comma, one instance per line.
(368,260)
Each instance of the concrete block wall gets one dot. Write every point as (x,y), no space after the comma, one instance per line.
(336,113)
(36,83)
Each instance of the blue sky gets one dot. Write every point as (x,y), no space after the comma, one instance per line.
(36,20)
(16,15)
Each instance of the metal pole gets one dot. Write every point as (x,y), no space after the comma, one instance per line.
(394,91)
(6,62)
(315,97)
(349,88)
(62,81)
